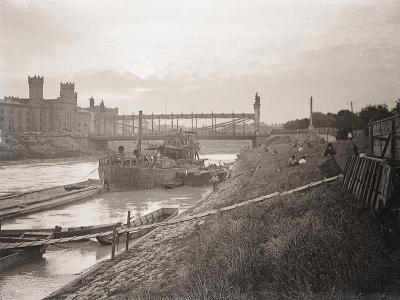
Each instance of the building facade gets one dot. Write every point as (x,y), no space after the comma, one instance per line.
(59,115)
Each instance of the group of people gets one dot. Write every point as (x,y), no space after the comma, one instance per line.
(292,161)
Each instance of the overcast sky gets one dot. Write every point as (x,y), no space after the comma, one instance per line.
(204,55)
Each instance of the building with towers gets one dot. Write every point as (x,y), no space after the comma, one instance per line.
(58,115)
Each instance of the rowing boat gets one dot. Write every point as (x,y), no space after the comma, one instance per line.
(159,215)
(10,258)
(57,232)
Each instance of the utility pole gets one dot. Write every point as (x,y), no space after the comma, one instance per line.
(311,114)
(352,118)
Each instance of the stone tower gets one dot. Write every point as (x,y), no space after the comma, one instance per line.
(36,101)
(67,93)
(35,88)
(91,102)
(257,106)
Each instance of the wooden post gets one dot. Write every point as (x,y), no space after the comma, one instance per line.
(393,141)
(177,123)
(139,139)
(196,123)
(128,225)
(114,235)
(172,121)
(371,139)
(192,121)
(212,121)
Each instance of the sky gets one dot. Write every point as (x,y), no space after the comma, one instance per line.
(181,56)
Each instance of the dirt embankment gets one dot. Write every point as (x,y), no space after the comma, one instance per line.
(36,147)
(316,244)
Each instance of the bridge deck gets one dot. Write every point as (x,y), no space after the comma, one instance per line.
(162,137)
(189,116)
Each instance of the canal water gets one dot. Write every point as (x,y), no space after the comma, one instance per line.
(62,263)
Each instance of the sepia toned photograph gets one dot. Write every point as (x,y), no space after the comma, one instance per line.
(199,149)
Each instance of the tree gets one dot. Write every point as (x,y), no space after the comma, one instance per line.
(372,113)
(323,120)
(396,109)
(344,120)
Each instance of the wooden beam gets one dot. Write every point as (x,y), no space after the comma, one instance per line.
(393,141)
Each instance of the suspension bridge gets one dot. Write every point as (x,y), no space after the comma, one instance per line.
(206,126)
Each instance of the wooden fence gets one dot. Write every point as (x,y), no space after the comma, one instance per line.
(370,180)
(384,138)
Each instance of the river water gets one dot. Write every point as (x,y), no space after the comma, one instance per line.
(61,264)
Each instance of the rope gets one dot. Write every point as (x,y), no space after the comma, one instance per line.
(89,174)
(174,221)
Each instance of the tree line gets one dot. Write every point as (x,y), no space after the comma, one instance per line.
(345,120)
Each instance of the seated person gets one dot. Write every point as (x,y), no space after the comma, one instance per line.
(329,151)
(292,161)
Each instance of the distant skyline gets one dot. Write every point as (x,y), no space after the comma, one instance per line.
(206,55)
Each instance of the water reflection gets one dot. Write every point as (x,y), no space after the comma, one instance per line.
(62,263)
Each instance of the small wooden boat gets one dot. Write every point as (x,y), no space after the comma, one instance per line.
(198,178)
(57,232)
(10,258)
(159,215)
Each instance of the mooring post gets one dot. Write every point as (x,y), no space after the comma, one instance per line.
(128,225)
(113,241)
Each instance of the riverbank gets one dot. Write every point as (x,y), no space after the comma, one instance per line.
(39,147)
(315,244)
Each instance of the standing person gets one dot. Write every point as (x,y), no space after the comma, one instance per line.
(196,151)
(214,180)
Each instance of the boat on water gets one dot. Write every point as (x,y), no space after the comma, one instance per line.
(55,233)
(173,163)
(159,215)
(11,258)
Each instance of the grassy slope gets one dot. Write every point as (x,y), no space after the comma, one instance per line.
(318,244)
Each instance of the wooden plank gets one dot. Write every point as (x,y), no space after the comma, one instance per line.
(374,186)
(369,183)
(360,178)
(348,173)
(384,187)
(387,142)
(346,167)
(354,174)
(367,178)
